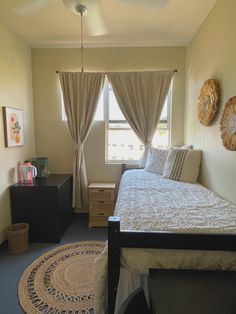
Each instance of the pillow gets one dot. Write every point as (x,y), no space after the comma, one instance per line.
(183,147)
(156,160)
(143,160)
(182,165)
(186,147)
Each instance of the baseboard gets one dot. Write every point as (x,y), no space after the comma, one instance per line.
(80,210)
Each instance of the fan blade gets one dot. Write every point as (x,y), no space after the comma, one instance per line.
(159,4)
(94,23)
(30,7)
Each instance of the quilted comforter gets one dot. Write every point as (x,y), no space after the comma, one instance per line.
(146,201)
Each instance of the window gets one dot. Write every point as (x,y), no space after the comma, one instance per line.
(122,143)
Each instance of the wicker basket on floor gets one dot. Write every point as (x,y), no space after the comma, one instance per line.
(18,237)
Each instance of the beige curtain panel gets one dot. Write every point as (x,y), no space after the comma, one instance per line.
(141,96)
(81,93)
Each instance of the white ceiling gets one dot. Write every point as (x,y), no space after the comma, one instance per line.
(128,22)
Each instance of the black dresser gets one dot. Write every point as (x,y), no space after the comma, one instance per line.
(46,205)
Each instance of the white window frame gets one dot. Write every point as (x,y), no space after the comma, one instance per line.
(63,112)
(169,109)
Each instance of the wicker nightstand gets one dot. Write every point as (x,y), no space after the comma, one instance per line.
(101,203)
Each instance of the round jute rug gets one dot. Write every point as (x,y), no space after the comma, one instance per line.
(62,280)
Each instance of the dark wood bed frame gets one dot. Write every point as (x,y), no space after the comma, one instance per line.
(118,239)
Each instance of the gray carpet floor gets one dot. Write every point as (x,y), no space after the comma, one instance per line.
(12,266)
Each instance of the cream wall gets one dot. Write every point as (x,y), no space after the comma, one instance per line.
(212,55)
(52,135)
(15,91)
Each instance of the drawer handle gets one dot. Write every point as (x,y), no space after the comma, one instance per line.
(101,202)
(100,214)
(100,190)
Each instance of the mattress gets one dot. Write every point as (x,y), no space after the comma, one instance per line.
(148,202)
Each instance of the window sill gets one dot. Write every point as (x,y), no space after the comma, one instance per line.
(121,162)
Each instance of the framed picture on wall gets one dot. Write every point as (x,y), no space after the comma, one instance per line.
(13,127)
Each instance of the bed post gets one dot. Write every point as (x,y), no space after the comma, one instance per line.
(113,260)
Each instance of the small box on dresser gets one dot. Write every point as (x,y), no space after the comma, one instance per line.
(101,203)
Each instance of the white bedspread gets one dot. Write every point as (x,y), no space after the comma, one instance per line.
(146,201)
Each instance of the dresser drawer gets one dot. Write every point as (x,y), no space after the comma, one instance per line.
(106,195)
(101,209)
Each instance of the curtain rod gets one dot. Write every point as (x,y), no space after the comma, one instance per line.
(124,71)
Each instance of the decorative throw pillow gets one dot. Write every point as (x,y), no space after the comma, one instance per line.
(182,165)
(183,147)
(156,160)
(186,147)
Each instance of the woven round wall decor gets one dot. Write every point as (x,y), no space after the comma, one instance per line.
(208,101)
(228,124)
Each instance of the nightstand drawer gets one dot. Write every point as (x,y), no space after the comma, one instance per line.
(101,209)
(101,195)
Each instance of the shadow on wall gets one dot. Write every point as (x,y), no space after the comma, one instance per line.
(5,214)
(12,174)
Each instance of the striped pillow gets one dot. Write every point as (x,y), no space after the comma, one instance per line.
(182,165)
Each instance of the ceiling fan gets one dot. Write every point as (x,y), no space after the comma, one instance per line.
(91,9)
(94,21)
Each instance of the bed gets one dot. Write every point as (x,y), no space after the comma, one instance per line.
(161,223)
